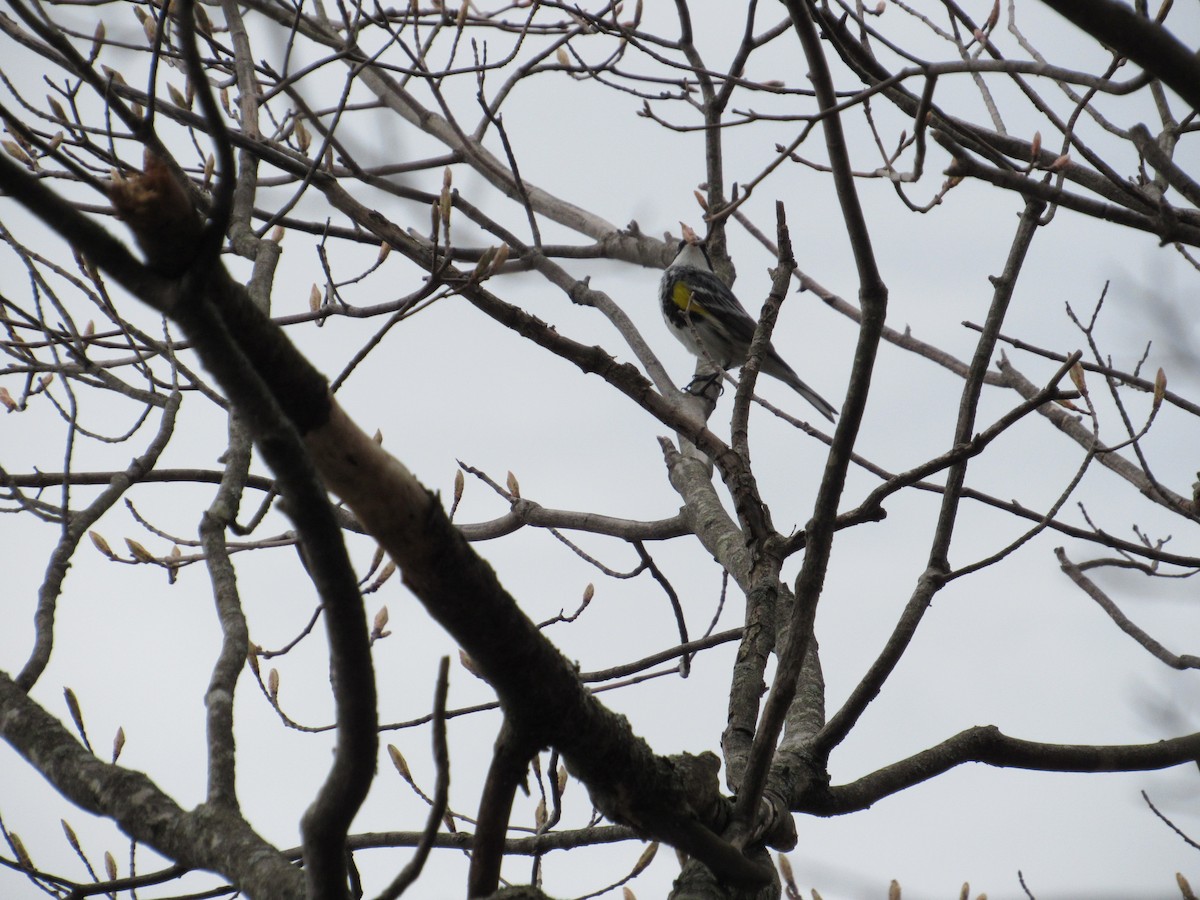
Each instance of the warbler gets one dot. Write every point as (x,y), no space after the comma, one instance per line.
(708,319)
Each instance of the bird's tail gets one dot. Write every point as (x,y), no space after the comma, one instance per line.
(774,365)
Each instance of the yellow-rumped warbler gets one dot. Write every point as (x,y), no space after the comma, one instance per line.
(708,319)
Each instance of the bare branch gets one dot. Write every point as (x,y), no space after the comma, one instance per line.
(987,744)
(1089,587)
(437,809)
(205,838)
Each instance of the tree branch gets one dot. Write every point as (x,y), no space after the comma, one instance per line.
(205,838)
(987,744)
(1144,41)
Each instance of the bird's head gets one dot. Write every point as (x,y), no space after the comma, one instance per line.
(692,250)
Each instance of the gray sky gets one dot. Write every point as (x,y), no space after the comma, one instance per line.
(1016,646)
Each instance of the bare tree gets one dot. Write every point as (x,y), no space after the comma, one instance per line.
(396,149)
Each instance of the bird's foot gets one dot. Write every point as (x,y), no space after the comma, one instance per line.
(701,385)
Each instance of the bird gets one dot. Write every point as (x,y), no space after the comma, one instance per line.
(708,319)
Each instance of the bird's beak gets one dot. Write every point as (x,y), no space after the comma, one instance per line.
(688,235)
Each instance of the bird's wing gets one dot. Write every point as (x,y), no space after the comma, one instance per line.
(701,294)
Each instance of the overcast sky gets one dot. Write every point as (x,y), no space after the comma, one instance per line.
(1015,646)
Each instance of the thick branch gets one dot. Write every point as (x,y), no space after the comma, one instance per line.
(1143,40)
(538,688)
(820,530)
(987,744)
(205,838)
